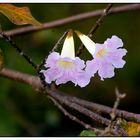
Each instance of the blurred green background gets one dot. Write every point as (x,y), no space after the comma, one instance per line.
(24,112)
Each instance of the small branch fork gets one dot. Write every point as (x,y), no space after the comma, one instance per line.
(113,115)
(61,99)
(116,104)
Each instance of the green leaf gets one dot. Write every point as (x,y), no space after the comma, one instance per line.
(1,60)
(87,133)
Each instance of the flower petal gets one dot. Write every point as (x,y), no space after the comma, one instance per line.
(106,70)
(51,74)
(83,79)
(91,67)
(115,57)
(51,60)
(80,63)
(114,42)
(89,44)
(68,47)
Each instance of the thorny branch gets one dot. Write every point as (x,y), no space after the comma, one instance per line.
(79,17)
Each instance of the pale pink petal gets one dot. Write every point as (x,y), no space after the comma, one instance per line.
(66,76)
(80,63)
(51,74)
(92,67)
(115,57)
(118,52)
(47,79)
(61,80)
(114,42)
(83,79)
(106,70)
(51,60)
(117,64)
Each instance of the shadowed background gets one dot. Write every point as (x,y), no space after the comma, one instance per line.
(24,112)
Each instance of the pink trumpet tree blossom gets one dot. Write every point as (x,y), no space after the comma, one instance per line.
(106,57)
(65,67)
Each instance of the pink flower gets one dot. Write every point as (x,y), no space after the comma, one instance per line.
(107,56)
(66,67)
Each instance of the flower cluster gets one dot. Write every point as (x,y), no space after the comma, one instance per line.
(65,67)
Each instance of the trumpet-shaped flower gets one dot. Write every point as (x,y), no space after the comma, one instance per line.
(106,56)
(65,67)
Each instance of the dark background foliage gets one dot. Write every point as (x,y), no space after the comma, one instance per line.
(24,112)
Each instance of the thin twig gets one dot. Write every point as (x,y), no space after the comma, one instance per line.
(95,27)
(72,117)
(59,42)
(14,45)
(100,20)
(79,17)
(110,127)
(116,104)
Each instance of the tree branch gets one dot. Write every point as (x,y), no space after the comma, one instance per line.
(72,117)
(63,21)
(35,82)
(105,109)
(59,96)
